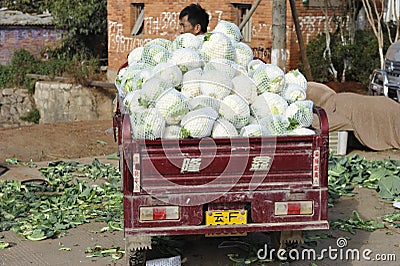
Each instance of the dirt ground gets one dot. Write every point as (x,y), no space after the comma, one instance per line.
(66,140)
(86,140)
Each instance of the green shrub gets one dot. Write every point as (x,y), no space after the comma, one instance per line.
(79,67)
(362,57)
(5,76)
(33,116)
(22,63)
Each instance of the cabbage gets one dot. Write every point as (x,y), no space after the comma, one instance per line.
(300,114)
(254,130)
(244,54)
(173,105)
(293,92)
(186,59)
(245,87)
(151,90)
(229,29)
(223,129)
(296,77)
(269,77)
(168,72)
(187,40)
(224,65)
(276,124)
(199,123)
(191,83)
(268,103)
(147,123)
(236,110)
(154,54)
(216,84)
(217,45)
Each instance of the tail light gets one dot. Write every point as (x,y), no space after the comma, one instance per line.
(293,208)
(158,213)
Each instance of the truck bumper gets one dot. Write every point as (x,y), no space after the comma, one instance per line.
(228,229)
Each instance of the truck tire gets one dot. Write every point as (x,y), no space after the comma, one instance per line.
(137,257)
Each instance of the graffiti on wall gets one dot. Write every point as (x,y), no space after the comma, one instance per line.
(313,25)
(119,43)
(20,35)
(163,24)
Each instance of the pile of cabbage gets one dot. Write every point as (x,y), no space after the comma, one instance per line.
(210,86)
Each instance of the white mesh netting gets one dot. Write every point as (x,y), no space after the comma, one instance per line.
(229,29)
(172,132)
(217,45)
(186,40)
(293,92)
(186,59)
(254,130)
(204,101)
(296,77)
(173,105)
(269,77)
(169,72)
(277,125)
(216,84)
(268,103)
(223,128)
(154,54)
(226,66)
(151,90)
(147,123)
(191,83)
(236,110)
(244,54)
(245,87)
(199,123)
(301,113)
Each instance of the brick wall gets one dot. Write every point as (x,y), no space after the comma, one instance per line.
(32,38)
(161,20)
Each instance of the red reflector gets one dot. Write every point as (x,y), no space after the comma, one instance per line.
(159,214)
(293,208)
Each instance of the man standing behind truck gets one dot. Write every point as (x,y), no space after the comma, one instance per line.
(193,19)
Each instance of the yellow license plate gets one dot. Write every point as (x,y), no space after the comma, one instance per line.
(226,217)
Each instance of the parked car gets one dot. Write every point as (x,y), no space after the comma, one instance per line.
(387,81)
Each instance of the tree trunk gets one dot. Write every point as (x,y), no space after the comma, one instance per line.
(304,58)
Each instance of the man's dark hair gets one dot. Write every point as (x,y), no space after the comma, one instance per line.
(196,15)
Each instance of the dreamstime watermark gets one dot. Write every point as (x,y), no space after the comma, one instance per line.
(340,252)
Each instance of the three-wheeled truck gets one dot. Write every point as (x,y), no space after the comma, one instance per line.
(222,186)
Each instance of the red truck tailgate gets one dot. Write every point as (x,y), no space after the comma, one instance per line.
(190,166)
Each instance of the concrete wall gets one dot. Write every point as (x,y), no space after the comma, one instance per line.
(60,102)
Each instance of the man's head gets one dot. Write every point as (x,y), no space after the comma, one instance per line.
(193,19)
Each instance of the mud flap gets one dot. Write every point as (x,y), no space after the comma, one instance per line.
(136,247)
(291,238)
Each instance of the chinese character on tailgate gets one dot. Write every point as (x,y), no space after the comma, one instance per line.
(260,163)
(191,165)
